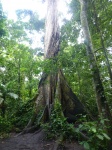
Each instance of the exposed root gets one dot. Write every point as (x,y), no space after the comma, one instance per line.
(54,87)
(58,143)
(28,130)
(37,131)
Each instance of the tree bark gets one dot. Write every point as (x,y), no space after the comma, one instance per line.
(51,30)
(3,106)
(53,86)
(102,43)
(19,79)
(102,104)
(101,99)
(30,81)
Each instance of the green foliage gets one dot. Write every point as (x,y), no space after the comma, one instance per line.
(22,66)
(2,22)
(22,114)
(19,74)
(34,22)
(58,125)
(18,117)
(96,131)
(5,125)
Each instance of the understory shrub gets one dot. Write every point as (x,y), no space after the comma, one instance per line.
(58,125)
(22,115)
(96,132)
(5,125)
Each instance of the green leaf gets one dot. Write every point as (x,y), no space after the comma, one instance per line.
(100,137)
(1,94)
(93,129)
(106,136)
(13,95)
(77,130)
(86,145)
(1,100)
(80,126)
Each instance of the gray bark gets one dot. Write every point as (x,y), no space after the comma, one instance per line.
(53,86)
(102,43)
(51,30)
(99,90)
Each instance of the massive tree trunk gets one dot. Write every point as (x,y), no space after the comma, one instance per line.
(53,86)
(102,103)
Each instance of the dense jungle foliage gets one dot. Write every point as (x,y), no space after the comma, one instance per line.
(21,67)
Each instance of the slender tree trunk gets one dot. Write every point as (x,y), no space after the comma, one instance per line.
(19,78)
(102,43)
(30,87)
(3,106)
(79,80)
(101,99)
(100,96)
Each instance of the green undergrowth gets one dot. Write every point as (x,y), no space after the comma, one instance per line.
(94,131)
(15,122)
(5,127)
(58,125)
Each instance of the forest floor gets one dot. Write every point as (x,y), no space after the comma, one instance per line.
(34,141)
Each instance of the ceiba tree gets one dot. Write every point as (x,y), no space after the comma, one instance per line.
(54,86)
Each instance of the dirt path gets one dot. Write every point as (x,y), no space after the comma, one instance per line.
(33,142)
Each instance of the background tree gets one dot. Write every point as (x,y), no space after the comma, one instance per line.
(101,99)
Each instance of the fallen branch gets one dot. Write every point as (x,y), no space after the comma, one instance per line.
(28,130)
